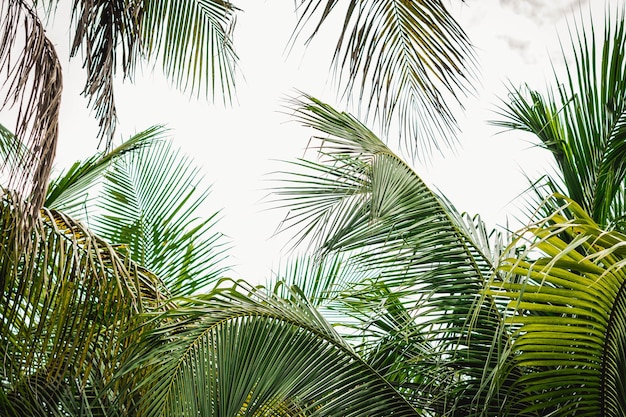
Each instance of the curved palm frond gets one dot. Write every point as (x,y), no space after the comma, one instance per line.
(583,122)
(193,38)
(66,305)
(69,191)
(410,59)
(238,351)
(101,28)
(567,313)
(34,85)
(150,203)
(363,199)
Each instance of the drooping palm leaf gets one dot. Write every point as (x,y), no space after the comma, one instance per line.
(567,313)
(101,29)
(33,85)
(193,39)
(237,353)
(407,59)
(583,120)
(66,303)
(151,203)
(363,199)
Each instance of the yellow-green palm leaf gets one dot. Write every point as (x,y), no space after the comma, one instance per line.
(567,314)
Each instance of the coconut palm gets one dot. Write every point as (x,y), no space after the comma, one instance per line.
(418,302)
(565,293)
(72,301)
(458,332)
(437,326)
(86,327)
(566,312)
(582,121)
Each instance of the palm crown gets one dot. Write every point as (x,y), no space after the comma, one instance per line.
(405,306)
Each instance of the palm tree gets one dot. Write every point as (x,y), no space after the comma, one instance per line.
(457,331)
(582,122)
(72,302)
(565,293)
(78,312)
(406,308)
(418,303)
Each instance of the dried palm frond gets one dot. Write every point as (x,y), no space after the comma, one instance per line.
(33,86)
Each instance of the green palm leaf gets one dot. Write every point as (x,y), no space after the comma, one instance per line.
(67,299)
(408,59)
(231,353)
(150,203)
(69,191)
(192,37)
(567,312)
(583,121)
(363,199)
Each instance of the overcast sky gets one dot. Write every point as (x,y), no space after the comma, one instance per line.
(237,147)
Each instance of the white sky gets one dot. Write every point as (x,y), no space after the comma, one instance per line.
(236,147)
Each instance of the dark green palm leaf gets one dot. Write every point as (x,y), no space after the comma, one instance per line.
(238,351)
(363,199)
(409,59)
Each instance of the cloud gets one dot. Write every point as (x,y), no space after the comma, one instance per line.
(543,11)
(530,22)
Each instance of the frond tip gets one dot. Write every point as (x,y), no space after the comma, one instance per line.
(406,60)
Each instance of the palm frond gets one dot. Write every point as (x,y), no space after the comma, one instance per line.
(101,28)
(33,85)
(408,60)
(69,191)
(65,309)
(567,314)
(238,351)
(583,121)
(364,199)
(150,202)
(193,40)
